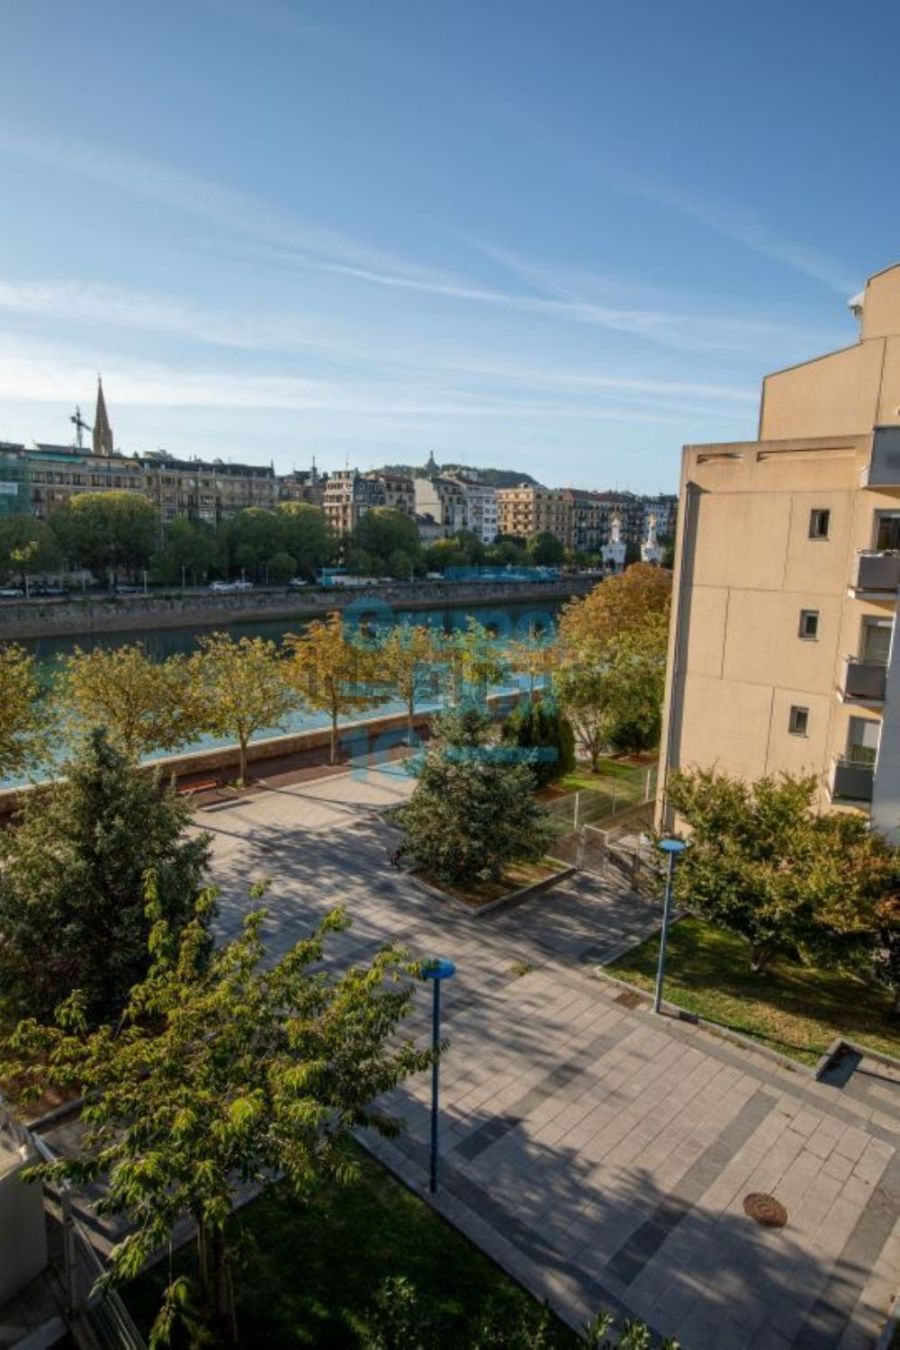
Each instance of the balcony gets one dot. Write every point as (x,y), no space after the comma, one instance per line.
(865,680)
(878,572)
(852,781)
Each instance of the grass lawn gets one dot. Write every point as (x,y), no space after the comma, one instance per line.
(308,1273)
(797,1010)
(612,774)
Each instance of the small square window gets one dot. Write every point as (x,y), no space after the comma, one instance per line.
(798,722)
(819,520)
(809,624)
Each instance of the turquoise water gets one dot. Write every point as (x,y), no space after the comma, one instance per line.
(504,622)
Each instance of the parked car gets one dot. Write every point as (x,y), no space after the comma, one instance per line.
(242,585)
(11,593)
(221,586)
(298,582)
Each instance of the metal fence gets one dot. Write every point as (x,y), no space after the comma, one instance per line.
(631,786)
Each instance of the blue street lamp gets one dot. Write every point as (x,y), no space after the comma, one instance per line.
(672,848)
(436,970)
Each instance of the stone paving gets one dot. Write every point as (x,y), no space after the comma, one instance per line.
(601,1154)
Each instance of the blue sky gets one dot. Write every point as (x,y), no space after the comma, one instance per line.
(562,237)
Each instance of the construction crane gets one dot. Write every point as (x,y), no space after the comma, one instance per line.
(80,426)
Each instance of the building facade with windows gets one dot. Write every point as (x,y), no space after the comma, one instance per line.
(348,496)
(526,510)
(782,655)
(480,503)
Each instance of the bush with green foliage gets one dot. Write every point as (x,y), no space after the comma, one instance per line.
(72,881)
(473,812)
(542,730)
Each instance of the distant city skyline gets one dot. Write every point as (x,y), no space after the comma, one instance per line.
(559,241)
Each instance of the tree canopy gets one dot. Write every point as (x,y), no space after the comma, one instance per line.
(23,737)
(108,530)
(473,811)
(224,1068)
(331,671)
(72,909)
(240,688)
(765,865)
(145,705)
(385,541)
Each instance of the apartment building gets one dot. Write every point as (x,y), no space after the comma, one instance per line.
(303,485)
(443,499)
(782,654)
(584,520)
(205,491)
(348,496)
(399,491)
(480,502)
(527,509)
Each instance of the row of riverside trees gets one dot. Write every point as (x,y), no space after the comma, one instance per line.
(120,534)
(606,669)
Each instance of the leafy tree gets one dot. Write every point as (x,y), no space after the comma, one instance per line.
(765,866)
(545,550)
(223,1069)
(241,688)
(533,655)
(22,722)
(72,873)
(307,536)
(579,684)
(545,735)
(613,661)
(404,660)
(253,536)
(473,662)
(472,812)
(107,530)
(378,535)
(280,568)
(145,705)
(27,546)
(190,545)
(331,671)
(506,551)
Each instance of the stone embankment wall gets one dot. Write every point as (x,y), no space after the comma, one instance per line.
(109,614)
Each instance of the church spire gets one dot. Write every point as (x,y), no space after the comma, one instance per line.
(103,437)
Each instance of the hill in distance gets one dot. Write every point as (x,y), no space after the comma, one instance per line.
(500,478)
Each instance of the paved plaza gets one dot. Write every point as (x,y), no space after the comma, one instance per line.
(601,1154)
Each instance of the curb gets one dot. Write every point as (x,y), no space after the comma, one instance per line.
(502,902)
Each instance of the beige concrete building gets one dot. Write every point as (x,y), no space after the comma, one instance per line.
(782,653)
(526,510)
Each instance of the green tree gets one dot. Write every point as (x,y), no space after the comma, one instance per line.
(764,865)
(72,873)
(280,568)
(380,533)
(473,662)
(307,536)
(506,551)
(107,531)
(613,660)
(405,661)
(27,546)
(533,655)
(190,550)
(331,671)
(253,536)
(545,735)
(223,1069)
(145,705)
(22,720)
(545,550)
(240,688)
(472,812)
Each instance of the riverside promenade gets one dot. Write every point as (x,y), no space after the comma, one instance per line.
(601,1154)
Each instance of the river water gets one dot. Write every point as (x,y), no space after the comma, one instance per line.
(504,621)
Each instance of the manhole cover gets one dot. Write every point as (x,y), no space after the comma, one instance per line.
(628,1000)
(765,1209)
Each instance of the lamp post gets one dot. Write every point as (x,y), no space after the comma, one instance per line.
(672,848)
(436,970)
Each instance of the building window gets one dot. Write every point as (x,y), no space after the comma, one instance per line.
(876,640)
(863,735)
(819,520)
(798,722)
(809,624)
(887,531)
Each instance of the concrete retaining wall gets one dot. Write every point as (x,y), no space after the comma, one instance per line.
(109,614)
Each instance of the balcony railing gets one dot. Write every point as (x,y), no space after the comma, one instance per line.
(865,680)
(852,781)
(878,572)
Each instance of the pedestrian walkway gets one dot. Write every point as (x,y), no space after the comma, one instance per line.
(600,1153)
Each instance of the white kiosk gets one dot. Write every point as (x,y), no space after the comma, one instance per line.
(613,553)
